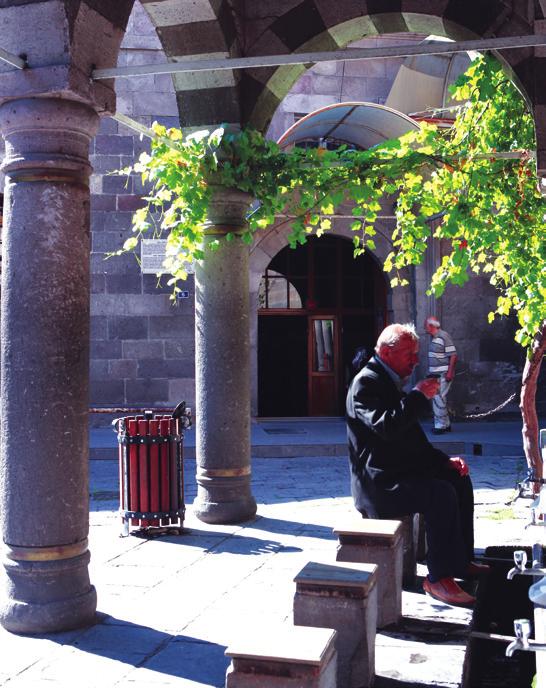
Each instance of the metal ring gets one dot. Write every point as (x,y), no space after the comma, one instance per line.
(51,553)
(223,472)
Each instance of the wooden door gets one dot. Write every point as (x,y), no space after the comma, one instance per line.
(323,363)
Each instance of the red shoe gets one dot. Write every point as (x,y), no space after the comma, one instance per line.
(448,591)
(475,570)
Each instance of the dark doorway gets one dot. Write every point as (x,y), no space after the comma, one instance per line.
(318,304)
(282,365)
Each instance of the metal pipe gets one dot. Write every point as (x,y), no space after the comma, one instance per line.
(425,48)
(515,642)
(130,409)
(520,560)
(497,155)
(13,60)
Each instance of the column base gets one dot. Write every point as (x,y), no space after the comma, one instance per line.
(222,499)
(47,596)
(225,513)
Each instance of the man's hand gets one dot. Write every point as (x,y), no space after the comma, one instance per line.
(430,387)
(459,465)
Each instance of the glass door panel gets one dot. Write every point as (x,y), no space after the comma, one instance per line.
(323,360)
(323,346)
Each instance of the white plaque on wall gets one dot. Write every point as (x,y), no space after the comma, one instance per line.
(152,256)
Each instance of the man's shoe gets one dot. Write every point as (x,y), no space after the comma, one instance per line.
(448,591)
(475,570)
(441,431)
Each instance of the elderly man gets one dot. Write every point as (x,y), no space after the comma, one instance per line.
(442,357)
(395,470)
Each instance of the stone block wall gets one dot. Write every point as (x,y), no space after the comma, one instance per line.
(142,343)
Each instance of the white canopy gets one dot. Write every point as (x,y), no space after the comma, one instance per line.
(356,123)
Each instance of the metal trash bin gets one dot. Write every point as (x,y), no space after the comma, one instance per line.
(151,469)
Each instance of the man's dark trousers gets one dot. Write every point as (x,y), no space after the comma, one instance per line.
(446,501)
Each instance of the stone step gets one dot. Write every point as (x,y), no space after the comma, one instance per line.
(287,656)
(342,596)
(380,542)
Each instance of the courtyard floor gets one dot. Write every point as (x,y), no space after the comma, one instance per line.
(169,606)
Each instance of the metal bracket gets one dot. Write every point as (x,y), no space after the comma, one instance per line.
(148,439)
(149,515)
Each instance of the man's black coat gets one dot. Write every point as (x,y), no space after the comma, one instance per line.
(386,441)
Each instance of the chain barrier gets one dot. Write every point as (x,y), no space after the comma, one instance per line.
(485,414)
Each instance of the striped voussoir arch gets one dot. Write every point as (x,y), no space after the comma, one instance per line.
(200,29)
(192,29)
(322,25)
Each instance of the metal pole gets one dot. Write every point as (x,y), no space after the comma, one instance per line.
(13,60)
(425,48)
(144,131)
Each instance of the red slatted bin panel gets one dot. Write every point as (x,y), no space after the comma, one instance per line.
(143,471)
(151,471)
(154,471)
(173,467)
(165,470)
(133,470)
(179,429)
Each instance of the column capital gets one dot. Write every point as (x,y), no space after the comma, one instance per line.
(47,139)
(63,81)
(228,208)
(62,42)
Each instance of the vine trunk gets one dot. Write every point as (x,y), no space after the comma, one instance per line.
(528,403)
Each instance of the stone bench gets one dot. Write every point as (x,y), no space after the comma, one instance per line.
(344,597)
(284,657)
(380,542)
(414,546)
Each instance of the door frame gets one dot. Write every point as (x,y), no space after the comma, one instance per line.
(377,310)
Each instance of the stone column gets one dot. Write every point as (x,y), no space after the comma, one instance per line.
(222,366)
(44,496)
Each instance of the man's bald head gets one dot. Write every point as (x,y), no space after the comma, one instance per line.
(398,347)
(432,324)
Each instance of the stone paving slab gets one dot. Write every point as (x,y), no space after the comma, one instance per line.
(169,606)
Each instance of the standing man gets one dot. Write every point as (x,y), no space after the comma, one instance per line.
(395,470)
(442,357)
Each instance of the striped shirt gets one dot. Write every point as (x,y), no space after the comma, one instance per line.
(440,351)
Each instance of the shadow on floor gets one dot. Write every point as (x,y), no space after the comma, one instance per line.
(144,649)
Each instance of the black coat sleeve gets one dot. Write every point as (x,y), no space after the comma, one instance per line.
(387,417)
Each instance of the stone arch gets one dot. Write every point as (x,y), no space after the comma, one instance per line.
(209,28)
(83,35)
(205,29)
(334,26)
(269,243)
(80,36)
